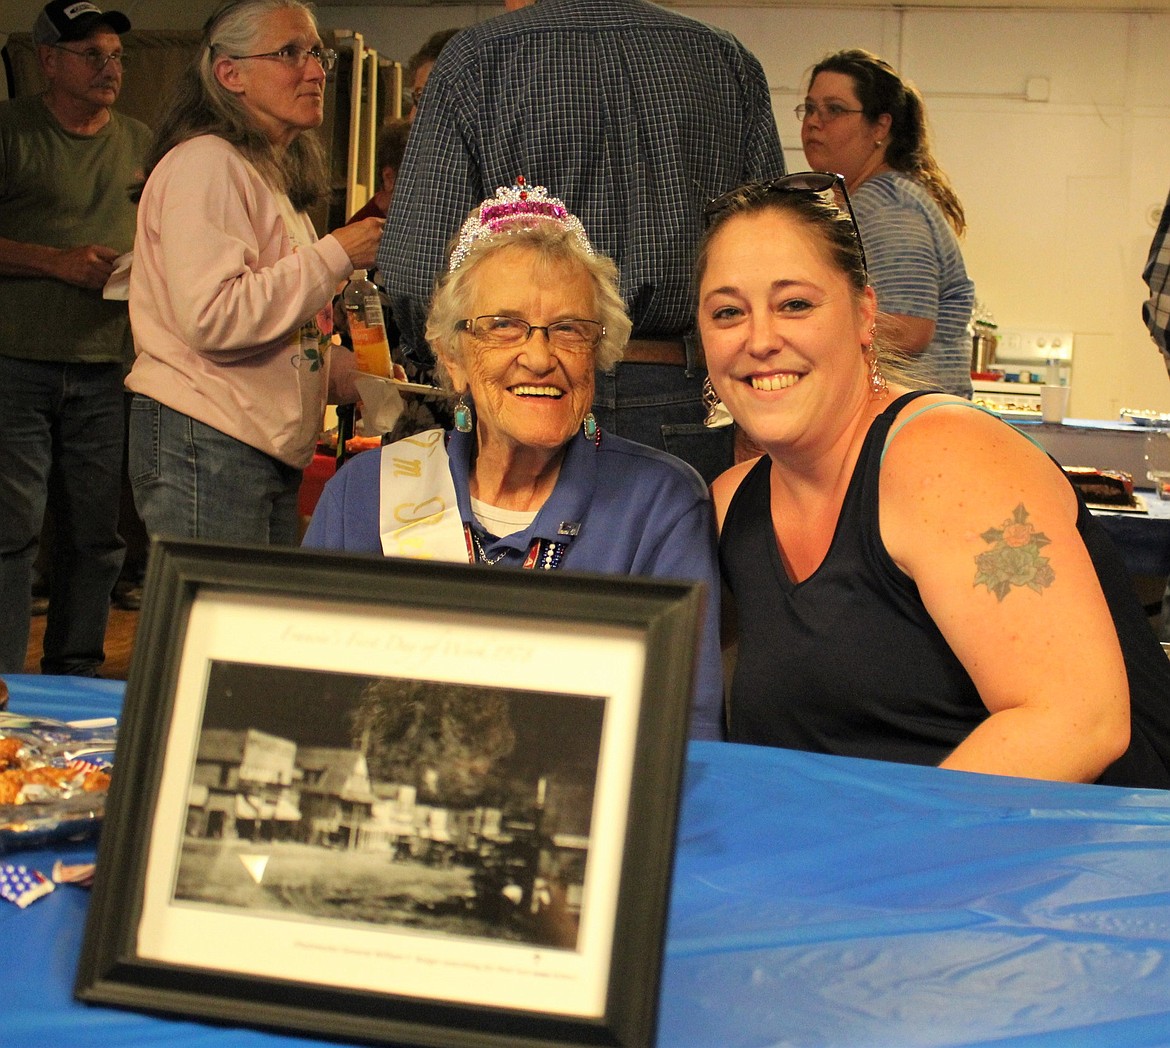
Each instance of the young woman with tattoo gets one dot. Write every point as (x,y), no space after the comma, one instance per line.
(913,579)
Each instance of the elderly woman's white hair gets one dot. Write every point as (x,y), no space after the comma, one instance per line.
(555,246)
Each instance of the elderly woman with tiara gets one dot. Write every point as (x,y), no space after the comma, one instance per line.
(524,315)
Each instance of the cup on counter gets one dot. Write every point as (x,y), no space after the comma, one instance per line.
(1053,403)
(1157,456)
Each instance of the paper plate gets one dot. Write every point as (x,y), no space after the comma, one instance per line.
(410,387)
(1149,419)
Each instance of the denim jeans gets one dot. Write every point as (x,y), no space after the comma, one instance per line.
(61,436)
(194,481)
(662,405)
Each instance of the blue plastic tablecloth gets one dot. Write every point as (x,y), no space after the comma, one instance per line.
(1142,538)
(816,901)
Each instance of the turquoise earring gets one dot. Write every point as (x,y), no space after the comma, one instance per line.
(463,414)
(592,429)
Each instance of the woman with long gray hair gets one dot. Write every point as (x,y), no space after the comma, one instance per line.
(230,288)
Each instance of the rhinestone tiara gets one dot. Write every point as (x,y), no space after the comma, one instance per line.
(514,208)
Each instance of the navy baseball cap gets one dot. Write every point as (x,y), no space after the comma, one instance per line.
(64,20)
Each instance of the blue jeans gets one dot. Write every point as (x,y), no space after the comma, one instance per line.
(61,436)
(194,481)
(662,405)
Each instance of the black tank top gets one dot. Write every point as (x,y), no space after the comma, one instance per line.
(850,662)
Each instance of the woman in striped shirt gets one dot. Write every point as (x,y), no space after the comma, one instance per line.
(863,121)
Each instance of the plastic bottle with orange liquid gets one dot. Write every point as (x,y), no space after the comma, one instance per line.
(367,327)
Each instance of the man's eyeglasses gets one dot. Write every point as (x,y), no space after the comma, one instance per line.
(817,183)
(95,59)
(827,113)
(296,57)
(573,336)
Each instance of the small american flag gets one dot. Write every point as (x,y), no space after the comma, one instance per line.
(21,885)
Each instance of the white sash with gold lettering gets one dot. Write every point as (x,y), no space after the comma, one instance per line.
(418,516)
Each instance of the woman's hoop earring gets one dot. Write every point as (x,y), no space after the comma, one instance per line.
(463,414)
(717,414)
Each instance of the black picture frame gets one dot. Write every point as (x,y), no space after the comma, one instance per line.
(238,647)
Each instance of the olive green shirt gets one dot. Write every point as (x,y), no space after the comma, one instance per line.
(64,190)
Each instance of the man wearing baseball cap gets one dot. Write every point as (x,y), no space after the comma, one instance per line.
(67,161)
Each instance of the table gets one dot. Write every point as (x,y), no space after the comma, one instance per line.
(1143,539)
(817,901)
(1092,442)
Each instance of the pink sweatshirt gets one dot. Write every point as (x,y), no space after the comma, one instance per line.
(224,276)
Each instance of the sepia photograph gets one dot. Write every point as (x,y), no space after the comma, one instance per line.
(437,807)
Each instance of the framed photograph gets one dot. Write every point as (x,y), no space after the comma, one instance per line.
(394,801)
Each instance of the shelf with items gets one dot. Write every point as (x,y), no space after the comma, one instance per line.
(365,91)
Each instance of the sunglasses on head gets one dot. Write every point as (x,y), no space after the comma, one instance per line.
(815,182)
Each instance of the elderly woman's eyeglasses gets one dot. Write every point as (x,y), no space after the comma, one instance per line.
(573,336)
(826,114)
(296,57)
(95,59)
(817,183)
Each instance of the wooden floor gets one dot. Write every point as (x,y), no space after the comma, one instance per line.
(119,644)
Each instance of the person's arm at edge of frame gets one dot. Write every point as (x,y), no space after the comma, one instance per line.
(1156,274)
(962,495)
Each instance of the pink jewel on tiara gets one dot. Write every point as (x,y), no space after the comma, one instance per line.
(514,208)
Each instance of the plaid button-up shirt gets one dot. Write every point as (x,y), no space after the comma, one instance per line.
(1156,309)
(634,115)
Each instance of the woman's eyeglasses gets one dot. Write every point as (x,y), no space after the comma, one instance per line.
(826,114)
(817,183)
(296,57)
(573,336)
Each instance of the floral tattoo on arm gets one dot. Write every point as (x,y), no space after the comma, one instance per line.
(1014,558)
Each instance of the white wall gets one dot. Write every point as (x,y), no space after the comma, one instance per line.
(1062,195)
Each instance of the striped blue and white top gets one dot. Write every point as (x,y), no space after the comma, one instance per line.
(917,270)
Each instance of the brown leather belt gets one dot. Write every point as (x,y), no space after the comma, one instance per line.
(655,351)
